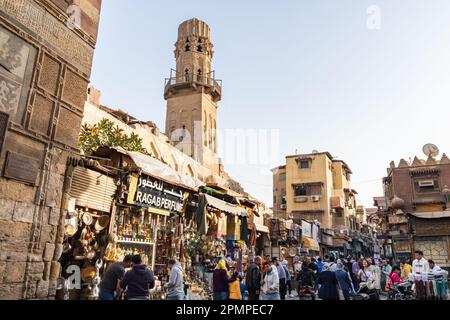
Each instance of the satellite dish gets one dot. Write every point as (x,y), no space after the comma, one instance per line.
(315,151)
(430,150)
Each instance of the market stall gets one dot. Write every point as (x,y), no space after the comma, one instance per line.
(86,229)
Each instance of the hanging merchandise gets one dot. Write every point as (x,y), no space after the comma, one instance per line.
(233,228)
(244,230)
(201,215)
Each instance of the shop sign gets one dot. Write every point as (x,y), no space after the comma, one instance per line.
(315,232)
(327,239)
(306,229)
(145,191)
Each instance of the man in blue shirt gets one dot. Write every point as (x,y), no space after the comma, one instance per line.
(281,276)
(319,265)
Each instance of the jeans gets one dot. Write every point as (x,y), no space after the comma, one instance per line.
(106,295)
(178,296)
(282,288)
(289,286)
(223,295)
(252,295)
(270,296)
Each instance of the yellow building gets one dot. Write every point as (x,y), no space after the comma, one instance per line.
(315,187)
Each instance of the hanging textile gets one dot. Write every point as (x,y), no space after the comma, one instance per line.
(244,229)
(252,240)
(200,216)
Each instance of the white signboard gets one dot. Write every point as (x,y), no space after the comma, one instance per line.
(306,229)
(315,232)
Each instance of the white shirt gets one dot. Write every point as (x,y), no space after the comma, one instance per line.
(420,267)
(271,282)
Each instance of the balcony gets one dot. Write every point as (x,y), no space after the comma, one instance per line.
(185,81)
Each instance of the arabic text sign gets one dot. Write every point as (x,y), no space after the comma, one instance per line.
(154,193)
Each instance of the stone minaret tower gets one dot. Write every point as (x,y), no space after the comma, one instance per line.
(192,94)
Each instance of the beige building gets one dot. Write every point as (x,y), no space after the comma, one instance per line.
(315,187)
(192,94)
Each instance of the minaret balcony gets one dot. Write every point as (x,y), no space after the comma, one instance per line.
(193,81)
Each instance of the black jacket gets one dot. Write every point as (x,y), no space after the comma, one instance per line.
(328,286)
(305,278)
(253,277)
(139,281)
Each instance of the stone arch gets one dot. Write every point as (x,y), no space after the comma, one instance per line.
(154,150)
(188,170)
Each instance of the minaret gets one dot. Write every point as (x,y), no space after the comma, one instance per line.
(192,94)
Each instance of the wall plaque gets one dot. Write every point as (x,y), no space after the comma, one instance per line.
(22,168)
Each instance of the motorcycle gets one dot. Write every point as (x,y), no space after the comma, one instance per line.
(364,293)
(307,293)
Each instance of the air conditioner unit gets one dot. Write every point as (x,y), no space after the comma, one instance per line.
(283,207)
(427,183)
(315,198)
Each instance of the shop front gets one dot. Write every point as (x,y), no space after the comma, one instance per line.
(326,242)
(89,204)
(153,221)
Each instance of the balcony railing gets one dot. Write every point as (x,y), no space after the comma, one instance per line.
(194,78)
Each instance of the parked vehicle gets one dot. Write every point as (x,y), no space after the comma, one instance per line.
(402,291)
(307,293)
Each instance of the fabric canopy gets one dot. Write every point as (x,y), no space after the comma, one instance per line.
(156,168)
(311,244)
(225,206)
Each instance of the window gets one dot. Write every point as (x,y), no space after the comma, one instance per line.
(308,190)
(274,199)
(300,191)
(304,164)
(429,185)
(282,176)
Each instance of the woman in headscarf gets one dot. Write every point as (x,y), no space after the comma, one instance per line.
(327,284)
(220,281)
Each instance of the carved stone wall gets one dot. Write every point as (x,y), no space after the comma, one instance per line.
(45,65)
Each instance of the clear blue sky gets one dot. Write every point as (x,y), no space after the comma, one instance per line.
(311,69)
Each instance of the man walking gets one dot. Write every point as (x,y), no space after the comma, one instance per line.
(138,281)
(253,279)
(175,287)
(420,264)
(110,284)
(281,277)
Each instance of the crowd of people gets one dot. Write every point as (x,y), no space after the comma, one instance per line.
(270,278)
